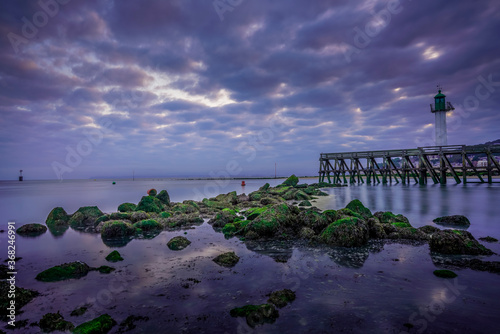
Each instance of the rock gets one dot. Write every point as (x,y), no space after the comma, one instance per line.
(129,323)
(428,229)
(456,242)
(229,198)
(305,203)
(376,229)
(64,271)
(139,215)
(32,230)
(85,217)
(312,218)
(356,206)
(152,192)
(114,256)
(256,314)
(164,197)
(265,187)
(388,217)
(188,207)
(445,273)
(54,322)
(99,325)
(183,220)
(222,218)
(105,269)
(117,229)
(228,259)
(253,213)
(79,311)
(403,231)
(488,239)
(149,225)
(149,204)
(291,181)
(281,298)
(178,243)
(127,207)
(306,233)
(270,222)
(474,264)
(346,232)
(23,297)
(57,221)
(456,220)
(269,201)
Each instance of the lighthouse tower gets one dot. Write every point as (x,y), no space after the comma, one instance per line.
(440,109)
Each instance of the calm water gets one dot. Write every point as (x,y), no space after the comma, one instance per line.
(338,290)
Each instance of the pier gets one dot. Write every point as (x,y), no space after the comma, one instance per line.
(412,165)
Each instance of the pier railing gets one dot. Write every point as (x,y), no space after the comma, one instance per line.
(435,162)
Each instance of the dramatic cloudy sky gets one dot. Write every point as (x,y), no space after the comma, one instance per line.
(203,87)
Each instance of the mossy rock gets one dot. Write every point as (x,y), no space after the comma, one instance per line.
(57,221)
(230,198)
(291,181)
(138,216)
(64,271)
(256,314)
(127,207)
(164,197)
(401,224)
(79,311)
(152,192)
(105,269)
(265,187)
(165,214)
(345,213)
(103,218)
(117,229)
(54,322)
(456,242)
(149,225)
(305,203)
(388,217)
(314,219)
(229,230)
(253,213)
(85,217)
(222,218)
(456,220)
(429,229)
(185,208)
(356,206)
(445,273)
(120,216)
(114,256)
(281,298)
(149,204)
(23,297)
(32,230)
(255,196)
(99,325)
(228,259)
(488,239)
(346,232)
(183,220)
(178,243)
(273,219)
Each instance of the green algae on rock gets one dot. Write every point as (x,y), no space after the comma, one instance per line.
(79,311)
(356,206)
(443,273)
(99,325)
(127,207)
(105,269)
(346,232)
(281,298)
(31,230)
(256,314)
(85,217)
(291,181)
(228,259)
(149,204)
(114,256)
(117,229)
(178,243)
(23,297)
(57,221)
(456,242)
(54,322)
(64,271)
(148,225)
(305,203)
(164,197)
(455,220)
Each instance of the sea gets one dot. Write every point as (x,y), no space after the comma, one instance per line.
(384,287)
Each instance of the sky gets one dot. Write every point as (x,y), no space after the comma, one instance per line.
(205,88)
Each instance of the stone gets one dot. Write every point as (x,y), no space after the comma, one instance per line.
(32,230)
(178,243)
(228,259)
(456,220)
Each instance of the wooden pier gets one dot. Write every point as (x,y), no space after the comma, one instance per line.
(434,162)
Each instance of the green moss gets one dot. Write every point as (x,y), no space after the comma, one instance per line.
(164,197)
(85,216)
(100,325)
(445,273)
(347,212)
(57,217)
(127,207)
(401,224)
(63,272)
(255,196)
(291,181)
(149,204)
(244,310)
(148,225)
(184,208)
(228,259)
(114,256)
(165,214)
(105,269)
(253,213)
(54,322)
(120,216)
(229,230)
(305,203)
(32,230)
(358,207)
(103,218)
(117,229)
(178,243)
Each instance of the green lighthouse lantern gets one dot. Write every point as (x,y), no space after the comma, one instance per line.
(439,102)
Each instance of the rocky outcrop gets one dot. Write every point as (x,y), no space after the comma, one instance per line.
(31,230)
(85,218)
(117,229)
(346,232)
(456,242)
(456,220)
(178,243)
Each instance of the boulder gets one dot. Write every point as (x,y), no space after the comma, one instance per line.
(228,259)
(139,215)
(85,217)
(148,225)
(270,222)
(281,298)
(222,218)
(291,181)
(64,271)
(456,242)
(114,256)
(428,229)
(256,314)
(178,243)
(356,206)
(443,273)
(117,229)
(164,197)
(32,230)
(305,203)
(127,207)
(183,220)
(456,220)
(388,217)
(149,204)
(57,218)
(23,297)
(346,232)
(54,322)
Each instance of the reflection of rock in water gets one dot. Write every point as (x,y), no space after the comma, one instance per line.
(58,231)
(462,262)
(354,257)
(277,250)
(116,242)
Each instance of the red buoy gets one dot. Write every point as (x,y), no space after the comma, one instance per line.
(242,183)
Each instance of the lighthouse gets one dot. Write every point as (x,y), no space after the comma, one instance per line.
(440,108)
